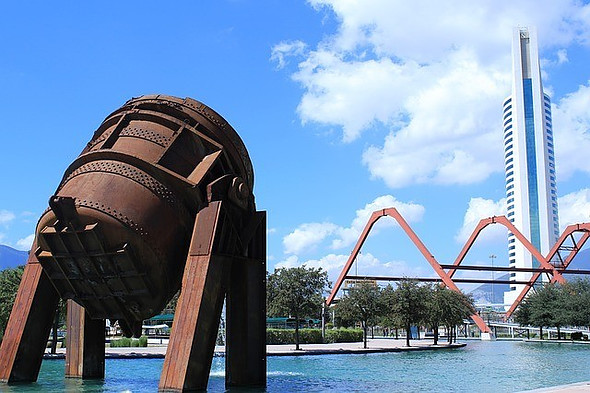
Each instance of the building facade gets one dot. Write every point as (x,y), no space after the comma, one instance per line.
(531,193)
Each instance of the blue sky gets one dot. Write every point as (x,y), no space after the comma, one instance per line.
(344,106)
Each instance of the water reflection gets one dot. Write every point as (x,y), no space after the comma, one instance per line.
(481,366)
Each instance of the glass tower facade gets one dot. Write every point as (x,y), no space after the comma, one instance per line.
(531,193)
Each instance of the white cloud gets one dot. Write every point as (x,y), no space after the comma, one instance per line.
(434,73)
(478,209)
(25,243)
(6,216)
(411,212)
(572,133)
(427,29)
(353,94)
(331,263)
(284,50)
(368,265)
(562,56)
(574,208)
(307,236)
(451,136)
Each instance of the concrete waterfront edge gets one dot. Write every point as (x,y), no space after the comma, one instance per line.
(133,353)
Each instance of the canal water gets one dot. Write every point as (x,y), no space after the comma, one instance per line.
(502,366)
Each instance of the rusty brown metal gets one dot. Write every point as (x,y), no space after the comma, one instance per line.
(116,236)
(245,347)
(202,294)
(28,327)
(84,343)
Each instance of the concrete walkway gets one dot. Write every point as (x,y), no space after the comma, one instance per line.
(374,345)
(571,388)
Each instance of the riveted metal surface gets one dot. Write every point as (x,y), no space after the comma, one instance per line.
(160,174)
(133,179)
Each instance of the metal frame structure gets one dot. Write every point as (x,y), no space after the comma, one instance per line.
(159,200)
(559,257)
(554,264)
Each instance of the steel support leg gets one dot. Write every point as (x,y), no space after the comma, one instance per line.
(194,332)
(85,345)
(25,337)
(245,361)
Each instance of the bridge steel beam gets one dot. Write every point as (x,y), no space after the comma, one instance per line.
(446,277)
(392,212)
(521,238)
(434,279)
(584,228)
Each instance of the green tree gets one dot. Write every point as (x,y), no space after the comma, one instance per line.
(296,292)
(577,297)
(445,307)
(556,305)
(546,307)
(522,315)
(9,282)
(457,306)
(435,309)
(362,303)
(389,318)
(172,303)
(408,303)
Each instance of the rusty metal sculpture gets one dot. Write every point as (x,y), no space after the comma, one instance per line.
(160,198)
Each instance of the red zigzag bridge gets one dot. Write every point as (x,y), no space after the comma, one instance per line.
(554,264)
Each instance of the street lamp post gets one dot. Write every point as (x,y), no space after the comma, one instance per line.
(492,257)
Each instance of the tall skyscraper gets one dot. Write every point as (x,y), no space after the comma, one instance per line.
(529,159)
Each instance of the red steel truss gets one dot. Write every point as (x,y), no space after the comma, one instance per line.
(392,212)
(556,262)
(566,244)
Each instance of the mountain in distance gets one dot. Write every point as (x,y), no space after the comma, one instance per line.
(488,293)
(11,258)
(581,261)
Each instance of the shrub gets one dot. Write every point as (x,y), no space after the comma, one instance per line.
(128,342)
(343,336)
(579,336)
(309,336)
(280,336)
(121,342)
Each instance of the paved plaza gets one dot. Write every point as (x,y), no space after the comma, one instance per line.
(374,345)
